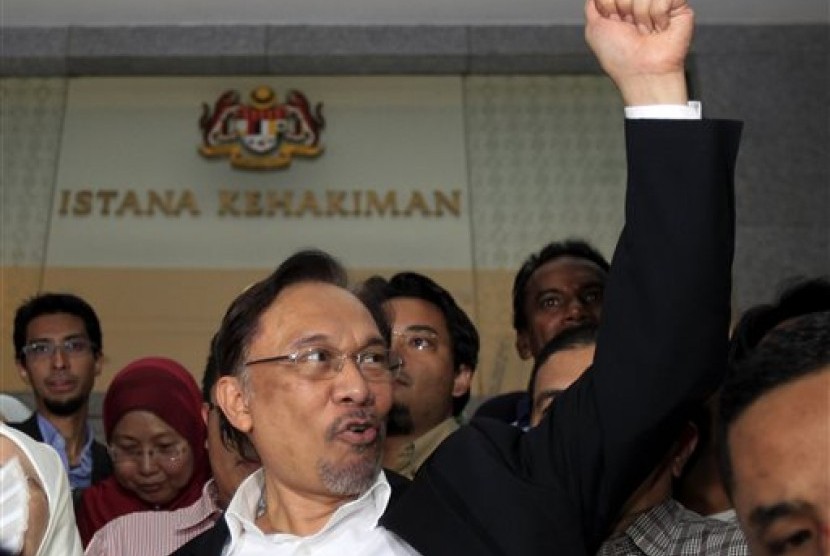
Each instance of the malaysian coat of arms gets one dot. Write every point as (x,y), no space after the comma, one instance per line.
(263,135)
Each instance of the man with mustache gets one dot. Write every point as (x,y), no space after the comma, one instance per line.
(58,352)
(439,346)
(307,378)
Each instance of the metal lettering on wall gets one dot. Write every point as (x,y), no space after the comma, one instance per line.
(252,203)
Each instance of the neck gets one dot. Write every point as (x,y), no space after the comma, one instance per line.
(702,489)
(653,491)
(72,428)
(392,446)
(296,513)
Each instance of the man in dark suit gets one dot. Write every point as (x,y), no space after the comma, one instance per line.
(58,352)
(491,489)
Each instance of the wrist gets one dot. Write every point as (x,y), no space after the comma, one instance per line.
(654,89)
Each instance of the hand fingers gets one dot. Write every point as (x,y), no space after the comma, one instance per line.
(647,15)
(606,8)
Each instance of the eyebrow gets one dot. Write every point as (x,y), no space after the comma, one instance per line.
(763,517)
(74,336)
(168,435)
(316,339)
(583,286)
(418,328)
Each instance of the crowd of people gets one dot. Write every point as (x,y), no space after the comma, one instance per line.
(329,415)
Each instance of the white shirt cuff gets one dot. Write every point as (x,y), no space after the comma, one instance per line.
(690,111)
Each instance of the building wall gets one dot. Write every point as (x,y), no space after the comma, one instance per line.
(528,93)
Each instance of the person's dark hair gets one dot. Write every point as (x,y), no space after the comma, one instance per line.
(570,338)
(51,304)
(211,374)
(793,350)
(799,296)
(464,337)
(242,319)
(576,248)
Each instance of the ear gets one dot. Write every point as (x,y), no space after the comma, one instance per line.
(685,449)
(99,364)
(463,379)
(22,371)
(523,345)
(205,412)
(231,398)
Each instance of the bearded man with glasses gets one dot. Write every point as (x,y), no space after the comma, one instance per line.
(58,352)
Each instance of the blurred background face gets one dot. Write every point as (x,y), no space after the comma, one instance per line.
(428,381)
(780,453)
(560,294)
(555,375)
(62,381)
(150,458)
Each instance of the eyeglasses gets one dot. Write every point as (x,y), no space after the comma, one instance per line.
(417,339)
(319,363)
(166,455)
(43,349)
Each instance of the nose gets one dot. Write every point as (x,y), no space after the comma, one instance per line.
(147,464)
(350,386)
(577,310)
(59,358)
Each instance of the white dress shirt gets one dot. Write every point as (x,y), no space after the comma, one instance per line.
(352,529)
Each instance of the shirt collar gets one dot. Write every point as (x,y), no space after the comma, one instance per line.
(655,530)
(80,476)
(413,454)
(242,509)
(203,509)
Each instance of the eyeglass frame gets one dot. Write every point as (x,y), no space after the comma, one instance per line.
(394,366)
(63,346)
(153,453)
(422,331)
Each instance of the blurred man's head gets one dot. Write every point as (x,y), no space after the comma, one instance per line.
(559,287)
(558,365)
(439,346)
(58,351)
(775,422)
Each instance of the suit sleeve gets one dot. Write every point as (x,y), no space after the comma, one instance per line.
(662,341)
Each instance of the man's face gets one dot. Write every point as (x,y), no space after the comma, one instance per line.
(556,375)
(320,437)
(61,382)
(426,386)
(780,453)
(560,294)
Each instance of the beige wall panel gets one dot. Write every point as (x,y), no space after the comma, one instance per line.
(173,313)
(17,283)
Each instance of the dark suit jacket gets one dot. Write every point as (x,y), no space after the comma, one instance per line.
(101,462)
(491,489)
(557,489)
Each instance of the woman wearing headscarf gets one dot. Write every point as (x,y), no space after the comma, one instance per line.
(156,436)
